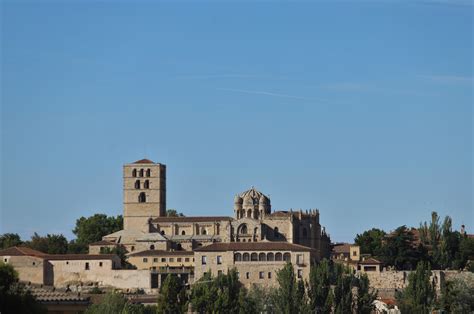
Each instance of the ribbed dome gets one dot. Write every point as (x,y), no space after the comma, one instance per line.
(254,196)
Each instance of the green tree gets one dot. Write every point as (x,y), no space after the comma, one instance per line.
(116,303)
(320,287)
(370,241)
(173,213)
(51,243)
(343,298)
(365,297)
(419,295)
(92,229)
(457,296)
(400,251)
(287,297)
(203,294)
(172,298)
(14,298)
(9,239)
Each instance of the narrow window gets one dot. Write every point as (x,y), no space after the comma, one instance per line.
(203,231)
(275,232)
(300,273)
(163,259)
(183,232)
(148,172)
(134,172)
(152,247)
(219,259)
(261,275)
(155,260)
(87,266)
(269,275)
(247,275)
(171,259)
(204,260)
(219,272)
(141,172)
(186,259)
(179,259)
(137,184)
(145,260)
(162,232)
(34,263)
(142,197)
(133,248)
(100,264)
(146,185)
(218,229)
(287,257)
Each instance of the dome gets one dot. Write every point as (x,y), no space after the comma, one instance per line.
(264,200)
(254,196)
(238,200)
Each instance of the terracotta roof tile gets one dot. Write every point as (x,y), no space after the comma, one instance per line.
(370,261)
(56,257)
(161,253)
(21,251)
(144,161)
(191,219)
(253,246)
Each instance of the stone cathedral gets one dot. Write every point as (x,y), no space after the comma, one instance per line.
(255,233)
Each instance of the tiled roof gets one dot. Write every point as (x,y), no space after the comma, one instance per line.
(102,242)
(370,261)
(341,248)
(191,219)
(43,295)
(253,246)
(21,251)
(144,161)
(161,253)
(57,257)
(24,251)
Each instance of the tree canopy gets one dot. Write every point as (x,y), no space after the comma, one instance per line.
(9,239)
(93,228)
(370,241)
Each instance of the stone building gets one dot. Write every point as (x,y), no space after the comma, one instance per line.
(155,241)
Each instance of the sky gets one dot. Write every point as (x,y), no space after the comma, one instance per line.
(361,109)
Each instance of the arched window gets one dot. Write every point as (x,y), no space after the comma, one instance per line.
(218,229)
(287,257)
(262,257)
(270,257)
(162,232)
(254,257)
(137,184)
(249,213)
(134,172)
(141,172)
(237,257)
(246,257)
(204,231)
(152,247)
(146,185)
(148,172)
(142,197)
(179,247)
(183,232)
(278,257)
(243,229)
(133,248)
(275,232)
(305,232)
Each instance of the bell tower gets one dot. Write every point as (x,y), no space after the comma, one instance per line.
(144,193)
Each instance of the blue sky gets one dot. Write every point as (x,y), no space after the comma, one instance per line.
(362,109)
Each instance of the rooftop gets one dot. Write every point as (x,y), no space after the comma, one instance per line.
(253,246)
(161,253)
(143,161)
(192,219)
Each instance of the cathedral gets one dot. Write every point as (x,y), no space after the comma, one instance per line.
(256,240)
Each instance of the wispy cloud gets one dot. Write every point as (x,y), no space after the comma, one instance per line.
(280,95)
(257,92)
(449,79)
(367,88)
(228,76)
